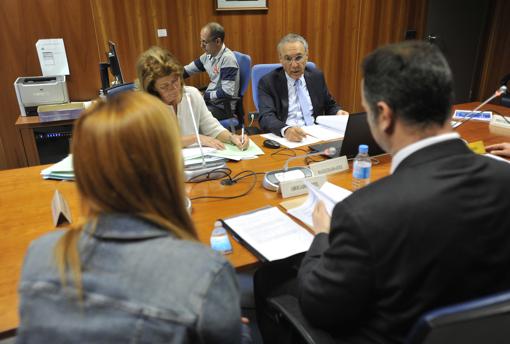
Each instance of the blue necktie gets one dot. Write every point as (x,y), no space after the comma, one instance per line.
(304,103)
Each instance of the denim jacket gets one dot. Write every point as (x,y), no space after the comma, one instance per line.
(140,285)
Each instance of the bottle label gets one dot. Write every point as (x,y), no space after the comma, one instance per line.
(361,172)
(221,244)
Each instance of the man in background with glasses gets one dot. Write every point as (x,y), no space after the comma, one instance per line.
(221,65)
(292,96)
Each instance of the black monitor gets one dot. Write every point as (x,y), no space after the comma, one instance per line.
(114,65)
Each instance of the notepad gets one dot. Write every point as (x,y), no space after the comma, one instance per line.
(269,234)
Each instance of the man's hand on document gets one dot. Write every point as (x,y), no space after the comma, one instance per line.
(321,219)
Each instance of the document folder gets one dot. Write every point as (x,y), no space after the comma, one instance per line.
(269,233)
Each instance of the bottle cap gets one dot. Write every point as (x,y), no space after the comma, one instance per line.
(363,149)
(218,224)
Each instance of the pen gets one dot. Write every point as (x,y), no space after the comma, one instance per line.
(242,135)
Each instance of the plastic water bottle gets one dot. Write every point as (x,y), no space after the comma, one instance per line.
(361,168)
(219,239)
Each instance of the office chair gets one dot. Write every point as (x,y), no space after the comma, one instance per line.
(237,120)
(114,90)
(259,71)
(479,321)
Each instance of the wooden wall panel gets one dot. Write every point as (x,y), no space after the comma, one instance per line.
(24,22)
(496,62)
(340,34)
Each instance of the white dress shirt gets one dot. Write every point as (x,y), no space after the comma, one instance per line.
(295,116)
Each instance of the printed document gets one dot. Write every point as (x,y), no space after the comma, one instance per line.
(328,127)
(329,193)
(270,233)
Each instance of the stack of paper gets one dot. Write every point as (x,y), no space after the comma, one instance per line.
(329,193)
(62,170)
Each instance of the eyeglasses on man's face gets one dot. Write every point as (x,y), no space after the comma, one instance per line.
(203,42)
(298,59)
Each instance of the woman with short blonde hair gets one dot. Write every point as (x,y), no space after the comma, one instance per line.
(160,74)
(131,270)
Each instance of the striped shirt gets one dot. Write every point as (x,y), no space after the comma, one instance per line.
(223,71)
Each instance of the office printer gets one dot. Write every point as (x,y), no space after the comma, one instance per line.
(33,91)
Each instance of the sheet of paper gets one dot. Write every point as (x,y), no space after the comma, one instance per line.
(309,140)
(52,56)
(329,193)
(271,233)
(338,123)
(198,160)
(323,133)
(62,170)
(234,153)
(194,152)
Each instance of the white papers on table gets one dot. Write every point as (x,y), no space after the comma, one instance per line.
(62,170)
(336,122)
(329,193)
(328,127)
(233,152)
(270,233)
(198,160)
(194,152)
(290,144)
(323,133)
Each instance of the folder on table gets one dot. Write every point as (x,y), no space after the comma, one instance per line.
(269,234)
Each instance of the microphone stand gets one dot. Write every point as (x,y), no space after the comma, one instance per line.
(206,171)
(499,92)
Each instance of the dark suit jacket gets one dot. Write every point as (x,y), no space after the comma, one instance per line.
(434,233)
(273,98)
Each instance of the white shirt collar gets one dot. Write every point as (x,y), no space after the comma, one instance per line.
(416,146)
(291,82)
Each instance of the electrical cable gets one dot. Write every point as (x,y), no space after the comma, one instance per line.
(236,178)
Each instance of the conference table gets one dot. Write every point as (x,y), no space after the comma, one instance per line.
(25,201)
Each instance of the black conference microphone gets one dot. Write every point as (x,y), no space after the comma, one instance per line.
(272,179)
(206,170)
(500,91)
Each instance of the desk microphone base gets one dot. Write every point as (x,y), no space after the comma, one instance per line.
(272,182)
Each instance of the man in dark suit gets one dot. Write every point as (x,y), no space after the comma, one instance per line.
(435,232)
(293,95)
